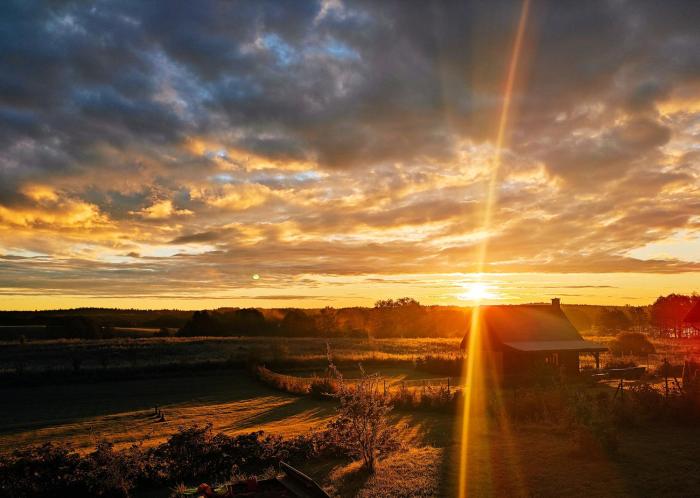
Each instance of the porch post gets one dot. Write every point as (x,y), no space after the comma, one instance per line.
(597,360)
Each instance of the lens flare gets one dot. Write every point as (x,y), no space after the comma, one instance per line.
(476,292)
(478,370)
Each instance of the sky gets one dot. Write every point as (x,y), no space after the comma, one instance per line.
(312,153)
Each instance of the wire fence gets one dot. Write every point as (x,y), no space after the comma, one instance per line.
(652,361)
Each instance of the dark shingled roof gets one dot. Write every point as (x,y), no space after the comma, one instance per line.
(693,316)
(537,327)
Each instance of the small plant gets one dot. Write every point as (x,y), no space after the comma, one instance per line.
(362,427)
(178,491)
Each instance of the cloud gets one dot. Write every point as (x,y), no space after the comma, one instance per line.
(196,237)
(161,210)
(336,138)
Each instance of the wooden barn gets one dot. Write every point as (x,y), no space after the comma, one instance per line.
(522,341)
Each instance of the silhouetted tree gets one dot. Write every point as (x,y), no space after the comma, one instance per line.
(668,313)
(296,323)
(613,320)
(201,324)
(79,327)
(325,321)
(397,318)
(249,321)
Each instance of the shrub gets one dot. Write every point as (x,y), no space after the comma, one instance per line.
(632,343)
(450,365)
(362,427)
(192,454)
(403,398)
(41,471)
(108,473)
(321,387)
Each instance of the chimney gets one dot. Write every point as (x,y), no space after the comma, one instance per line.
(556,302)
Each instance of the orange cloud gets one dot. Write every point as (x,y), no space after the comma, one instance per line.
(161,210)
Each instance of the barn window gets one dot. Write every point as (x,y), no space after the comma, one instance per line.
(552,359)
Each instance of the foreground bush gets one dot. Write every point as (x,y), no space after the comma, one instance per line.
(192,454)
(362,427)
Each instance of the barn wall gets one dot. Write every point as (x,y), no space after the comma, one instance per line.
(523,366)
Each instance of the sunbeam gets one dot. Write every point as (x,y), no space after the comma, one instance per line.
(474,371)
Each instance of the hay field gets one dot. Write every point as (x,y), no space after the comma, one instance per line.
(56,355)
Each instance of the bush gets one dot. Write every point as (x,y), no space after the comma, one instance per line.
(632,343)
(192,454)
(321,387)
(450,365)
(41,471)
(362,427)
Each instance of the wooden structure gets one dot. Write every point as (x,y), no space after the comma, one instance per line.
(292,483)
(522,341)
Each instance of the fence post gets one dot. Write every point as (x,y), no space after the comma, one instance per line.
(385,387)
(448,385)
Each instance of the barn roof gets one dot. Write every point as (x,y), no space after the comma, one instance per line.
(582,345)
(538,327)
(693,316)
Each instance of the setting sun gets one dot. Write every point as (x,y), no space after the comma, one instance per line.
(476,292)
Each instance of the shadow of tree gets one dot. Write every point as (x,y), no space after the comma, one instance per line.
(302,409)
(349,480)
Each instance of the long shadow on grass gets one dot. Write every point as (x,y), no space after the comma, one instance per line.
(46,406)
(302,409)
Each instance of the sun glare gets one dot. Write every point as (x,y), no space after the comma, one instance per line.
(476,292)
(474,368)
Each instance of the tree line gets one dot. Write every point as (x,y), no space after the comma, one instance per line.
(403,317)
(390,318)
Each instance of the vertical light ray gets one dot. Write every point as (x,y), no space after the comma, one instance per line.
(475,363)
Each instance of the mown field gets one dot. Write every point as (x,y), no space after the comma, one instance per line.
(122,412)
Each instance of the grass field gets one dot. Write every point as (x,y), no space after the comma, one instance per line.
(528,460)
(137,353)
(121,412)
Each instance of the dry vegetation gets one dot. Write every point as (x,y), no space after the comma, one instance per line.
(59,355)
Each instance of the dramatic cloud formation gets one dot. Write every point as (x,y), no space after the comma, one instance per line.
(342,150)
